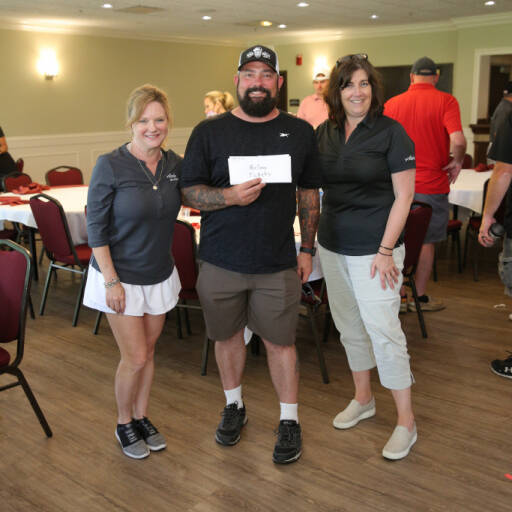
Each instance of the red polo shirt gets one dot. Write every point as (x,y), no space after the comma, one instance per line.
(428,116)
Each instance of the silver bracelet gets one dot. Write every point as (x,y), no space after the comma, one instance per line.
(111,283)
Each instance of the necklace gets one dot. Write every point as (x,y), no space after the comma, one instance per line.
(149,175)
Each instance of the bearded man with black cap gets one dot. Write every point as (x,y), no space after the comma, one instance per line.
(431,118)
(245,170)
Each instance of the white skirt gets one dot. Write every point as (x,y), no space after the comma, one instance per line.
(152,299)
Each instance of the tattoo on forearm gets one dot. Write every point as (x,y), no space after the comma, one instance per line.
(203,197)
(309,213)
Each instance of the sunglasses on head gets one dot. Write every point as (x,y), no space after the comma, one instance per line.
(354,56)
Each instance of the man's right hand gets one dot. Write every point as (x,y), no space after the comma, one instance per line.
(243,193)
(483,234)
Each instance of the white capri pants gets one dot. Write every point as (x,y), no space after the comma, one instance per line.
(367,316)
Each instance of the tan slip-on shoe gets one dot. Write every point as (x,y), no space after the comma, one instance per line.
(354,413)
(400,443)
(431,305)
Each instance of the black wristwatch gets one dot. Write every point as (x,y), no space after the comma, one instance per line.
(307,250)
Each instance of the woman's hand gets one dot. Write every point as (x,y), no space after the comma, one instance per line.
(115,298)
(388,272)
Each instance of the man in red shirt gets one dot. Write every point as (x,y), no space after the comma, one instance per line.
(313,109)
(432,119)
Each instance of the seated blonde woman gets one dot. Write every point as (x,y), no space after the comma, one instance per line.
(217,102)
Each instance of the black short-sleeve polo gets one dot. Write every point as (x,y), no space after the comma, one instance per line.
(501,151)
(356,180)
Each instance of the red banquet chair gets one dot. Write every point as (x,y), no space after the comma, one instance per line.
(15,281)
(64,175)
(415,230)
(314,295)
(14,180)
(58,245)
(20,164)
(184,253)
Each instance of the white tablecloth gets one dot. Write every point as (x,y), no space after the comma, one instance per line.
(468,190)
(73,201)
(317,269)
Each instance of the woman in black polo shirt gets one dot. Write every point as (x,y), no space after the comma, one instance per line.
(367,163)
(132,205)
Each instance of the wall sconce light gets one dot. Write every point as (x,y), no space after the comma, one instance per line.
(47,64)
(321,66)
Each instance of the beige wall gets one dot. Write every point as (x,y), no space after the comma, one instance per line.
(97,74)
(382,51)
(455,46)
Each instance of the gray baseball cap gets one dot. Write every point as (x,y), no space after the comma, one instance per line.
(424,66)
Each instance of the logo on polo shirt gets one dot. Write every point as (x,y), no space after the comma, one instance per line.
(410,158)
(284,135)
(172,177)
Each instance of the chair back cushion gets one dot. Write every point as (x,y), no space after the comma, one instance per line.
(64,175)
(15,180)
(20,164)
(13,271)
(52,226)
(415,230)
(184,254)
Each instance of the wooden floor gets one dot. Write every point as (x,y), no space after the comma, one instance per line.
(458,464)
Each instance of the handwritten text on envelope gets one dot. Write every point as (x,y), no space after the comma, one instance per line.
(270,168)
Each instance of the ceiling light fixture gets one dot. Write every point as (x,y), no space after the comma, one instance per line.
(107,6)
(281,26)
(490,2)
(374,16)
(207,18)
(266,23)
(302,4)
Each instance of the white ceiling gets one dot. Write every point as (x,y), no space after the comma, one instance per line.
(236,21)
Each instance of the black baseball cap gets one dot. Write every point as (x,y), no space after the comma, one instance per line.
(260,54)
(424,66)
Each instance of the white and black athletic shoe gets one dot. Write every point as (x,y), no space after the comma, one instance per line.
(503,367)
(131,441)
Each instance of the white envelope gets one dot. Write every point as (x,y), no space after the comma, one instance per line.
(270,168)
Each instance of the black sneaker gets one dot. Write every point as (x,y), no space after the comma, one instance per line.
(503,367)
(233,419)
(289,442)
(154,440)
(131,441)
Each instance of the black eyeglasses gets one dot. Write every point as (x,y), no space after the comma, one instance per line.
(354,56)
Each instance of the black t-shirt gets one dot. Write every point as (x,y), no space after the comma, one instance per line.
(257,238)
(356,180)
(501,151)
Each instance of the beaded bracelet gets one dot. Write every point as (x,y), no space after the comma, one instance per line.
(388,248)
(111,283)
(384,254)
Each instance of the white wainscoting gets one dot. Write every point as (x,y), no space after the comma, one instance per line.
(41,153)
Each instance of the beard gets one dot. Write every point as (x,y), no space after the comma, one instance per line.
(260,108)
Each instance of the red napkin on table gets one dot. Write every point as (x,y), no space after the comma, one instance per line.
(13,200)
(484,167)
(32,188)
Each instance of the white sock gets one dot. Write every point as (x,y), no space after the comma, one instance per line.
(289,412)
(234,395)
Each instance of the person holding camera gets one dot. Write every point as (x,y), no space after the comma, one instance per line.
(499,185)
